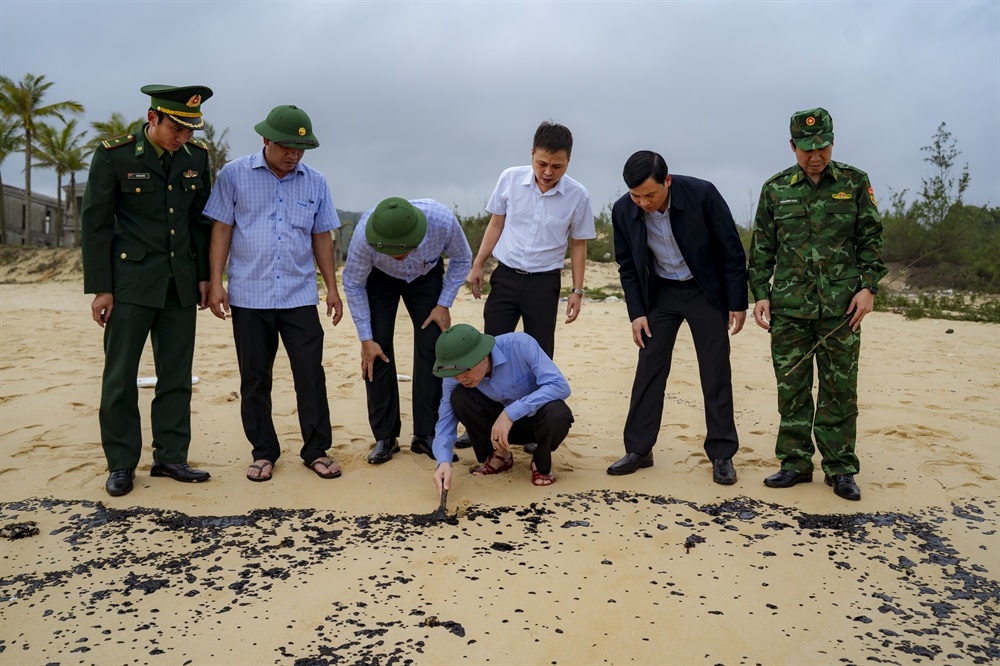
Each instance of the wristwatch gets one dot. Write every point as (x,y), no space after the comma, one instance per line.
(872,288)
(579,291)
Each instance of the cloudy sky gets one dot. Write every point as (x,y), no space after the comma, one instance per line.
(435,99)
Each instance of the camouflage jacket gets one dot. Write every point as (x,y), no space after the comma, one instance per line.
(822,243)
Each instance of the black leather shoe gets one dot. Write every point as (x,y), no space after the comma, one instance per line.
(723,471)
(630,463)
(120,482)
(787,478)
(384,448)
(179,472)
(530,448)
(463,442)
(423,445)
(844,486)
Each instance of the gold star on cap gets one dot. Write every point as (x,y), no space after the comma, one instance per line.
(302,131)
(194,101)
(810,121)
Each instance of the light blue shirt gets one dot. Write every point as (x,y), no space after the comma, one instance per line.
(271,262)
(668,261)
(523,379)
(444,236)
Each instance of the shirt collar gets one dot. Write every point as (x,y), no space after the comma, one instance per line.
(529,181)
(257,161)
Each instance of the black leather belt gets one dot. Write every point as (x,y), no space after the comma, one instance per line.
(554,271)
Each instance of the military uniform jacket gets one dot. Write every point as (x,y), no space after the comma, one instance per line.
(822,243)
(141,226)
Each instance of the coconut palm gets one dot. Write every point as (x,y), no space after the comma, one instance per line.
(23,100)
(114,126)
(62,150)
(10,142)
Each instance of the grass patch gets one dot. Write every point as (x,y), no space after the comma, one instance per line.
(941,305)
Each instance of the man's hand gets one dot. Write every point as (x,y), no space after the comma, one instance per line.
(218,300)
(736,321)
(862,303)
(573,305)
(334,306)
(370,350)
(762,313)
(203,294)
(101,307)
(640,327)
(442,477)
(500,431)
(440,315)
(476,280)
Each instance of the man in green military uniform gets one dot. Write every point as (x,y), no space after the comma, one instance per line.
(145,257)
(818,233)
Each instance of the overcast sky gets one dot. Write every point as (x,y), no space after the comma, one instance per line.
(435,99)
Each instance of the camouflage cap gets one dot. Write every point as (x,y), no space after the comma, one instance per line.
(181,104)
(812,129)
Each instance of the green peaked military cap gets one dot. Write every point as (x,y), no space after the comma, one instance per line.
(289,126)
(395,226)
(460,348)
(812,129)
(181,103)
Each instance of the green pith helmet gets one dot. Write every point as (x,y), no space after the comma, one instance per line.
(812,129)
(289,126)
(459,349)
(395,226)
(180,104)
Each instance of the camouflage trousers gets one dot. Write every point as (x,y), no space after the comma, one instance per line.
(833,419)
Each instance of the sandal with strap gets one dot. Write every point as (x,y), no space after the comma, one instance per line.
(486,469)
(539,479)
(325,462)
(260,478)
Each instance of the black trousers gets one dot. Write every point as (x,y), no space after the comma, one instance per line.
(171,329)
(531,297)
(419,297)
(548,427)
(671,303)
(256,334)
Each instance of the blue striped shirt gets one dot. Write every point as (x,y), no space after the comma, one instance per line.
(271,262)
(444,236)
(523,379)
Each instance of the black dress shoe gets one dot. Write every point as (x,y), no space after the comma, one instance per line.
(384,448)
(630,463)
(120,482)
(723,471)
(844,486)
(179,472)
(787,478)
(423,445)
(463,442)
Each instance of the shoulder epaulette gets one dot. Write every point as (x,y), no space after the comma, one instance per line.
(848,167)
(118,141)
(198,144)
(782,174)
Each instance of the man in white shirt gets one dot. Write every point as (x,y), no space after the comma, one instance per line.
(535,210)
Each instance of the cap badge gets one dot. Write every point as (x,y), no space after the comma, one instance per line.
(194,101)
(302,131)
(810,121)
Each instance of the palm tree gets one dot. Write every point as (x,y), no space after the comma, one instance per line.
(23,100)
(62,150)
(218,149)
(10,142)
(114,126)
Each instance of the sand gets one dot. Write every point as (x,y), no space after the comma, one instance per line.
(660,567)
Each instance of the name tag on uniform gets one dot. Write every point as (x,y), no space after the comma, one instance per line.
(138,176)
(788,201)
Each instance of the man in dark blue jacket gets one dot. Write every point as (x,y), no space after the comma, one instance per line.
(680,259)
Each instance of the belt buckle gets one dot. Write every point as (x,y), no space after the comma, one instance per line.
(520,272)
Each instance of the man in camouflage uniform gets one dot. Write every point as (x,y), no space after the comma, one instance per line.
(818,232)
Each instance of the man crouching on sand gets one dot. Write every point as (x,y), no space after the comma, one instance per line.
(505,390)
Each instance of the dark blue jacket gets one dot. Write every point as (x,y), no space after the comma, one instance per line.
(706,235)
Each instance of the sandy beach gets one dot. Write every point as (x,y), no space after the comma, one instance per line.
(660,567)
